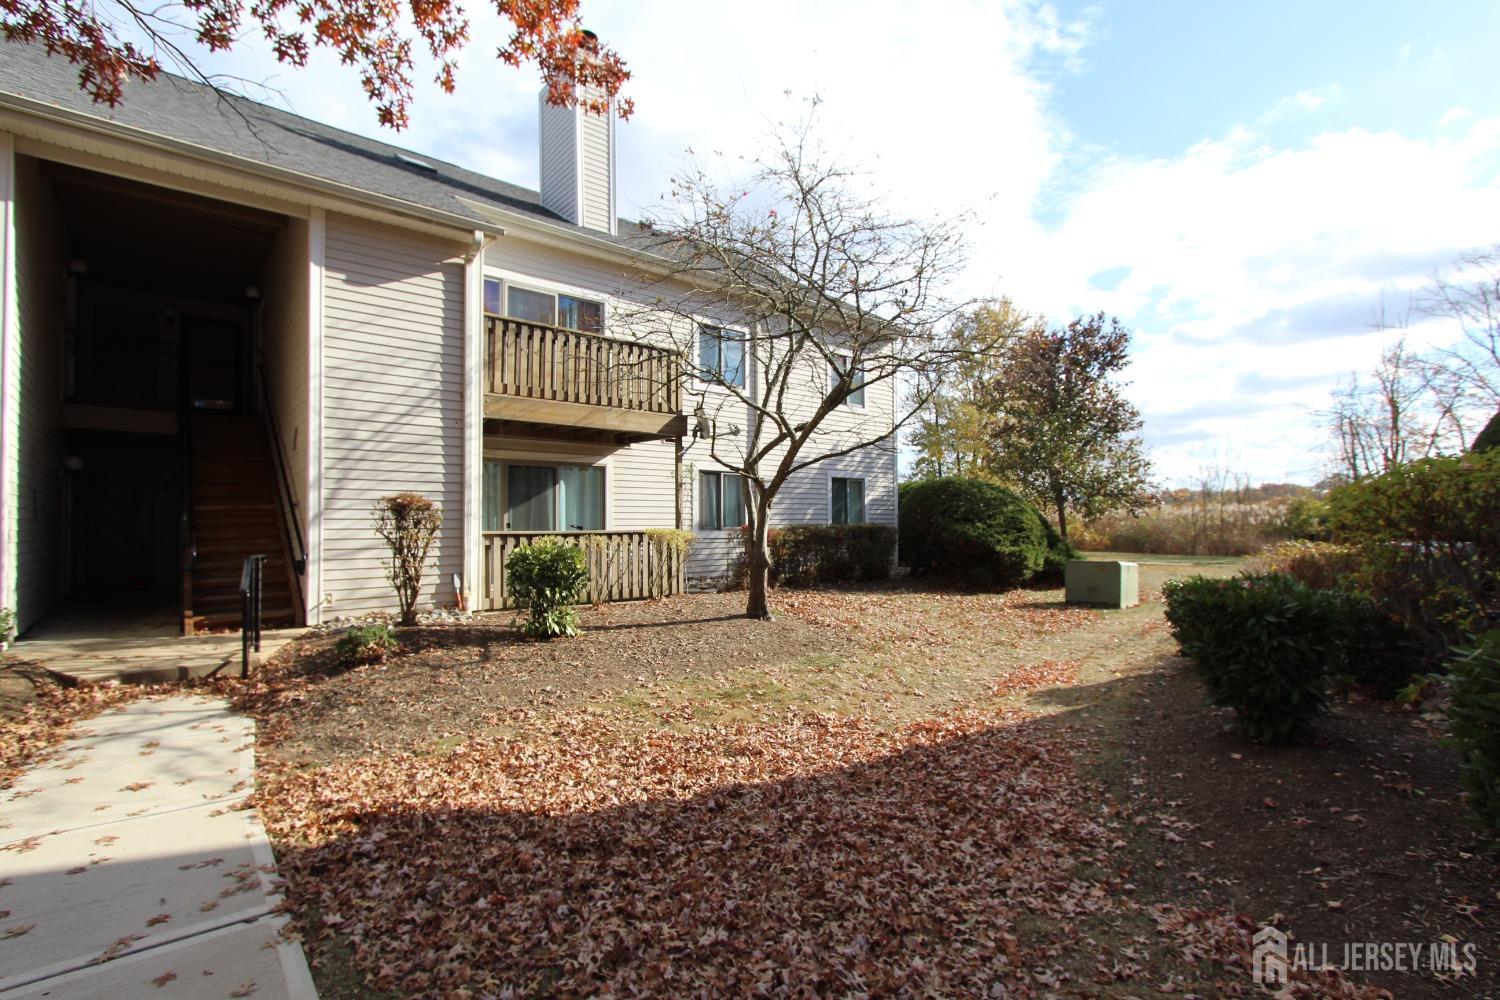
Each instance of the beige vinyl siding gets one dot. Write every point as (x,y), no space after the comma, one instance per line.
(804,499)
(284,352)
(558,147)
(643,489)
(596,154)
(35,365)
(392,404)
(643,475)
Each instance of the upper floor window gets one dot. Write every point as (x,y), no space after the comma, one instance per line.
(856,395)
(721,355)
(847,500)
(551,308)
(721,500)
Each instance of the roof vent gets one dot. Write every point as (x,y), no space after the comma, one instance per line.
(414,163)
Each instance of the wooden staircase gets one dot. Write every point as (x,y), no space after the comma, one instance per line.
(234,515)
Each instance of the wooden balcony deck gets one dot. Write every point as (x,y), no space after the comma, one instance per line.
(543,375)
(623,565)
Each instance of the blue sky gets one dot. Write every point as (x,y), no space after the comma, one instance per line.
(1243,184)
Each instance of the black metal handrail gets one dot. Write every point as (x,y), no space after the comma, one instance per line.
(252,577)
(291,515)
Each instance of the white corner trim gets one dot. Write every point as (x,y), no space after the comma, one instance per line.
(614,208)
(9,332)
(317,229)
(578,165)
(473,424)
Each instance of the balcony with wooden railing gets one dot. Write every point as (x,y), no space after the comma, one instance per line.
(536,375)
(623,565)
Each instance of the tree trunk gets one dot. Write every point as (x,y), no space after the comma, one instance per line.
(1062,514)
(758,560)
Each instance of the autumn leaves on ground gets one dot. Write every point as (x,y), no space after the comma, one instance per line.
(894,791)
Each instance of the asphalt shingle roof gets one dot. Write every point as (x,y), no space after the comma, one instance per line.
(184,110)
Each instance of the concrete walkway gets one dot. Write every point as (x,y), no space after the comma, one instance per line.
(98,642)
(130,866)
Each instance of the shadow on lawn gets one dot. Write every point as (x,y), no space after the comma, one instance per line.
(807,857)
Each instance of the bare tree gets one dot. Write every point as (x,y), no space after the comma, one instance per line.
(1385,419)
(1464,377)
(788,295)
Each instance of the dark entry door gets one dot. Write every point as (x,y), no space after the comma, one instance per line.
(126,506)
(213,351)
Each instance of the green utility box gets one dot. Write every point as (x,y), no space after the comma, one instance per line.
(1105,584)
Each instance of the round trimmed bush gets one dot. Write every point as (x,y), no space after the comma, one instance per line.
(977,533)
(1264,646)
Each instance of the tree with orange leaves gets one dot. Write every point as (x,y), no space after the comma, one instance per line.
(376,36)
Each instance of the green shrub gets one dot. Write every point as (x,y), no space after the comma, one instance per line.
(1428,535)
(1320,565)
(364,644)
(546,579)
(976,532)
(1305,519)
(812,555)
(1376,652)
(1263,645)
(1474,717)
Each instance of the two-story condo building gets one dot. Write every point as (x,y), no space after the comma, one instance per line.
(230,330)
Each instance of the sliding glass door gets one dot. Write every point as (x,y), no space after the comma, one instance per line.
(530,503)
(543,497)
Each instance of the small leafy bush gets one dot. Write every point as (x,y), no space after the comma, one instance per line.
(546,579)
(1320,565)
(1428,535)
(7,625)
(1264,646)
(364,644)
(976,533)
(1474,718)
(816,554)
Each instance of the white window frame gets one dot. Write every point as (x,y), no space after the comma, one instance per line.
(698,500)
(864,481)
(509,279)
(581,462)
(863,387)
(720,329)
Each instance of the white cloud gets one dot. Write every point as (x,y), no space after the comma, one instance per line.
(1454,115)
(1248,260)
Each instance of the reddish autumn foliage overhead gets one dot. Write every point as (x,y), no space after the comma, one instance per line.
(377,36)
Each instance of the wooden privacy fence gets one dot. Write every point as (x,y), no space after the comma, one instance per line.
(623,565)
(533,361)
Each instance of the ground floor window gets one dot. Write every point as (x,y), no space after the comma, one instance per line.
(721,500)
(543,497)
(848,506)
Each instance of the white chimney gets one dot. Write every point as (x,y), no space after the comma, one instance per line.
(578,165)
